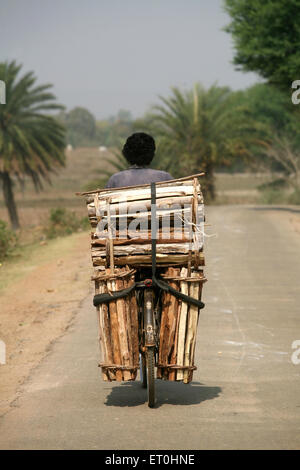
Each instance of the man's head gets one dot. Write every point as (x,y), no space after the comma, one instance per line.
(139,149)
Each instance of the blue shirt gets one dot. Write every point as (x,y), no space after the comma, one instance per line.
(136,175)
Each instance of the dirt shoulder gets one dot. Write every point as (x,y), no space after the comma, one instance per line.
(40,294)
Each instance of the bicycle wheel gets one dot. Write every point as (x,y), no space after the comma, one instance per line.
(143,370)
(150,374)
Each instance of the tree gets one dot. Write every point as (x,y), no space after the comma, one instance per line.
(288,159)
(197,130)
(266,36)
(268,106)
(115,129)
(273,114)
(31,142)
(81,126)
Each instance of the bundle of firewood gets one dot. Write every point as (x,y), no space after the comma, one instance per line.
(118,326)
(179,326)
(121,244)
(124,217)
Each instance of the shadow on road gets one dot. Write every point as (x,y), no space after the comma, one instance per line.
(171,393)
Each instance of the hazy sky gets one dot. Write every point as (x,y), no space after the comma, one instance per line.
(111,54)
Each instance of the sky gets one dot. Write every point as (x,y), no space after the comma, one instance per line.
(107,55)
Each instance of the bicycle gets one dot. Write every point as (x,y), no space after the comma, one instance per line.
(149,323)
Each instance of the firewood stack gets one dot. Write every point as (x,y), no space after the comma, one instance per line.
(118,326)
(179,326)
(120,244)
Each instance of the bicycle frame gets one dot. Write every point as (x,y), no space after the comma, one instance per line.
(148,337)
(149,320)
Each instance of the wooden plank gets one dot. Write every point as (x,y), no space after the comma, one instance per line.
(137,241)
(107,335)
(195,311)
(174,311)
(133,249)
(97,207)
(128,195)
(191,332)
(114,324)
(142,260)
(110,238)
(182,326)
(99,290)
(164,329)
(123,339)
(133,310)
(128,234)
(159,183)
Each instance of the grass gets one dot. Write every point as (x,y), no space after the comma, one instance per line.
(240,181)
(82,165)
(249,188)
(27,256)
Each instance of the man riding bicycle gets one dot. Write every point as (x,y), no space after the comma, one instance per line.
(139,151)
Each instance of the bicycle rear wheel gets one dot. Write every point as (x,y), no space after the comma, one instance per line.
(150,376)
(143,370)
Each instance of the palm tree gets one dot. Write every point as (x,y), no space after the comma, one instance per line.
(31,141)
(197,130)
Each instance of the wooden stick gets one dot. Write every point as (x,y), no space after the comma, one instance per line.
(100,276)
(172,313)
(134,326)
(196,244)
(122,333)
(110,236)
(114,324)
(133,249)
(174,333)
(137,241)
(167,233)
(182,326)
(193,342)
(139,260)
(131,207)
(131,196)
(107,335)
(185,178)
(99,290)
(164,330)
(191,333)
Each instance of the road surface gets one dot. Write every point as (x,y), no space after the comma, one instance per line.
(245,393)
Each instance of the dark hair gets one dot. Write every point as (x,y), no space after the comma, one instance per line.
(139,149)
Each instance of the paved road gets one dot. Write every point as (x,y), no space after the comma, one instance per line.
(245,392)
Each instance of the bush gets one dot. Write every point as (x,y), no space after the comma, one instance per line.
(278,184)
(8,240)
(295,197)
(273,196)
(64,222)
